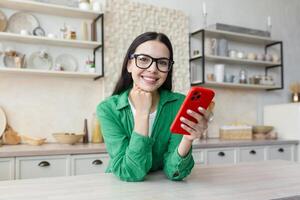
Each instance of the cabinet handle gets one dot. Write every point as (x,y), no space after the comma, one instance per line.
(281,150)
(44,164)
(97,162)
(221,154)
(253,152)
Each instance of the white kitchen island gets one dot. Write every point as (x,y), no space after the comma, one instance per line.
(262,180)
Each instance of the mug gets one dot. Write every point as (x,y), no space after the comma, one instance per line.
(219,72)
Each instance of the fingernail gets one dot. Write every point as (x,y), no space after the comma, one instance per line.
(181,125)
(189,111)
(201,109)
(182,119)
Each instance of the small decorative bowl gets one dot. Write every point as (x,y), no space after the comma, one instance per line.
(67,138)
(262,129)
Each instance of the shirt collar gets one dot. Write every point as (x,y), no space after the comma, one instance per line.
(165,97)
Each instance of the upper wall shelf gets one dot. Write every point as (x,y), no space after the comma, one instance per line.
(46,8)
(235,36)
(228,60)
(29,39)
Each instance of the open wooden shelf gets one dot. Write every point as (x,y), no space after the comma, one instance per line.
(239,37)
(229,60)
(236,85)
(48,41)
(48,72)
(46,8)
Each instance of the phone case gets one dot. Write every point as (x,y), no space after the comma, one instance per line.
(196,97)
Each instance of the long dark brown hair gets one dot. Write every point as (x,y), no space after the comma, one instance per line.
(125,81)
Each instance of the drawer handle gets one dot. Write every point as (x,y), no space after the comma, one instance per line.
(221,154)
(281,150)
(253,152)
(44,164)
(97,162)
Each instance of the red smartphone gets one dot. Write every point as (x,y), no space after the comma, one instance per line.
(196,97)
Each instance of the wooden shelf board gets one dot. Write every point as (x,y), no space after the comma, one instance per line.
(237,85)
(48,73)
(48,41)
(46,8)
(236,36)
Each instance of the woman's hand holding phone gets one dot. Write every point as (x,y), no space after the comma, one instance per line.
(196,129)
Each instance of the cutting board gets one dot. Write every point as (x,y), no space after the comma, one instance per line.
(3,121)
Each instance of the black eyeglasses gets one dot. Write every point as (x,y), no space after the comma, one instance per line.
(144,61)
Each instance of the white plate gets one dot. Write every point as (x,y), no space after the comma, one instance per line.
(22,21)
(37,61)
(3,21)
(2,121)
(67,61)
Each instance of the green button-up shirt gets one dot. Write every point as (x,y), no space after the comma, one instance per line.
(133,155)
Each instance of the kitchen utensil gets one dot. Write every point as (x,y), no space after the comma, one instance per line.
(251,56)
(67,138)
(10,136)
(3,21)
(39,31)
(40,60)
(219,72)
(243,76)
(3,121)
(67,61)
(240,55)
(232,53)
(262,129)
(27,139)
(211,46)
(222,47)
(22,21)
(9,58)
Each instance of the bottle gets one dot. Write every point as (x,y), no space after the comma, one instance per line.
(96,134)
(85,132)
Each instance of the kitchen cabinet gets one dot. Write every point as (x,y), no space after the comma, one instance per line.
(7,169)
(201,62)
(252,154)
(221,156)
(234,155)
(281,152)
(89,164)
(63,12)
(42,166)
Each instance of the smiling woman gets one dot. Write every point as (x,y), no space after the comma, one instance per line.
(136,119)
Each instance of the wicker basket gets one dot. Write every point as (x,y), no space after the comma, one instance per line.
(236,133)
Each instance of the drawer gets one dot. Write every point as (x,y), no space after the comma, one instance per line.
(7,169)
(281,152)
(220,156)
(46,166)
(198,156)
(252,154)
(89,164)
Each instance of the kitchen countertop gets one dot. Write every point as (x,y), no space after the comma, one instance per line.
(257,181)
(60,149)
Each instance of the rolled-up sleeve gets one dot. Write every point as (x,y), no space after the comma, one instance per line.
(130,157)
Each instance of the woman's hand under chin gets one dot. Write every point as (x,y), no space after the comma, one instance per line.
(142,100)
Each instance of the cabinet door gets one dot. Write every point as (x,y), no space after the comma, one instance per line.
(221,156)
(281,152)
(89,164)
(7,169)
(198,156)
(46,166)
(252,154)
